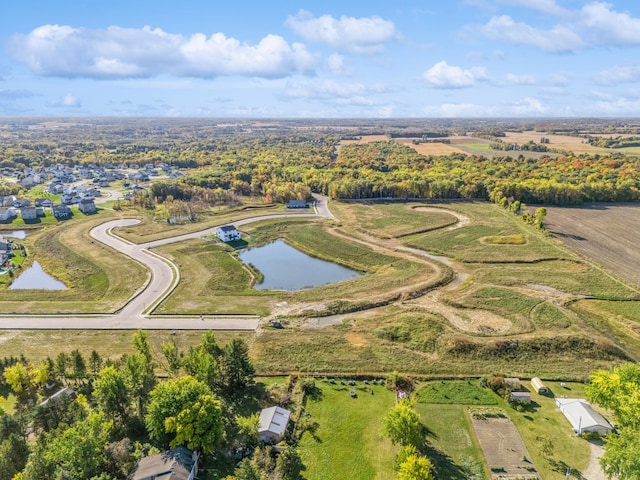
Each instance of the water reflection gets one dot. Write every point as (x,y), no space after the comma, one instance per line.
(35,278)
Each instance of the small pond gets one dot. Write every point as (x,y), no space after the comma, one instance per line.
(285,268)
(19,234)
(35,278)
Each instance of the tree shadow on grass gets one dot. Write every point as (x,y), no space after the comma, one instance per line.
(248,402)
(444,466)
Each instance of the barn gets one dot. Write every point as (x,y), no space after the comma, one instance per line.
(583,417)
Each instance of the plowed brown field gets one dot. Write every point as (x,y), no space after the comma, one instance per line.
(608,234)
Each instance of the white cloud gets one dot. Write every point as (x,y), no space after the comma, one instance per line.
(560,39)
(521,79)
(67,101)
(529,106)
(335,64)
(116,52)
(618,75)
(457,110)
(443,75)
(350,34)
(341,93)
(610,27)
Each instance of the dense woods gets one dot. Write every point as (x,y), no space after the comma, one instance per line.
(284,164)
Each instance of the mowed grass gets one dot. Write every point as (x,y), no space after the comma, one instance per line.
(349,443)
(37,345)
(462,392)
(452,442)
(98,279)
(392,219)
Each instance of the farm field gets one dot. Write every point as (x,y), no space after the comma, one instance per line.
(605,233)
(562,142)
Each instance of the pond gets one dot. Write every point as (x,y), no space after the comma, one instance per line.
(35,278)
(19,234)
(285,268)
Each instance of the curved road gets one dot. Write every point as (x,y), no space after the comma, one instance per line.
(163,278)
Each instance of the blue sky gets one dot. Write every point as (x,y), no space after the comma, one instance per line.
(456,58)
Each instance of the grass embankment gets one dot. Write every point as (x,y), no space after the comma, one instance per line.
(349,442)
(98,279)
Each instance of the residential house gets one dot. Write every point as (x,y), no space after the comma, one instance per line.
(583,417)
(6,214)
(176,464)
(5,250)
(297,204)
(61,211)
(228,233)
(29,213)
(63,392)
(87,206)
(272,424)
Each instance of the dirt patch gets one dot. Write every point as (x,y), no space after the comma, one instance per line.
(356,340)
(503,448)
(605,233)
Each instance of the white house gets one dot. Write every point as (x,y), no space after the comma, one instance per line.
(228,233)
(272,424)
(582,416)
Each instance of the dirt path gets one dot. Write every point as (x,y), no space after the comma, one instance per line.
(594,471)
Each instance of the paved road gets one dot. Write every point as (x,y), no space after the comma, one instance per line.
(163,278)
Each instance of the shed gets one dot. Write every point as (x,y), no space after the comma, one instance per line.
(176,464)
(63,392)
(538,386)
(521,397)
(582,416)
(228,233)
(273,423)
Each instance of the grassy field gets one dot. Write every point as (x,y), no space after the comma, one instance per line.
(393,219)
(462,392)
(37,345)
(349,443)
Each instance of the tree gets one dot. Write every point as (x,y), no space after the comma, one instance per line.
(80,450)
(237,369)
(402,425)
(78,365)
(289,465)
(172,356)
(112,394)
(619,391)
(247,470)
(13,456)
(415,467)
(202,365)
(179,406)
(540,215)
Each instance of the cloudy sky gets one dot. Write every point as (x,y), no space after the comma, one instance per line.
(349,58)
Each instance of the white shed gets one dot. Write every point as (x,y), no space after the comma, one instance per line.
(273,423)
(582,416)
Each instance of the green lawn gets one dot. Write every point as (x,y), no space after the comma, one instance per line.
(349,443)
(452,442)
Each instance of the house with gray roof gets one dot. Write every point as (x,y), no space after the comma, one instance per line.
(176,464)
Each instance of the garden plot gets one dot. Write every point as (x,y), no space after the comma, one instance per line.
(503,449)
